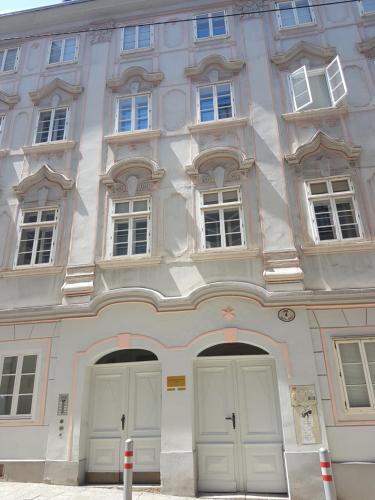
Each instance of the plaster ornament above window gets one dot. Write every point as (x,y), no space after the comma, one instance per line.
(225,68)
(29,188)
(145,80)
(283,60)
(367,47)
(9,100)
(57,84)
(132,176)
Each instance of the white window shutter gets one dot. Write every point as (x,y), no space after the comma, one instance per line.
(300,88)
(76,52)
(67,124)
(336,81)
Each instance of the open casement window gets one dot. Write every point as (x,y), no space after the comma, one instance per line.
(9,59)
(137,37)
(63,50)
(17,385)
(133,113)
(2,122)
(37,237)
(222,219)
(333,209)
(131,227)
(357,372)
(367,6)
(294,13)
(215,102)
(210,25)
(52,125)
(318,88)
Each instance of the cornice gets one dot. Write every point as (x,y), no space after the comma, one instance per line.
(9,100)
(312,114)
(128,262)
(135,71)
(31,271)
(225,255)
(218,124)
(4,152)
(339,247)
(49,147)
(301,49)
(323,141)
(57,83)
(45,172)
(232,65)
(156,172)
(367,47)
(244,162)
(126,137)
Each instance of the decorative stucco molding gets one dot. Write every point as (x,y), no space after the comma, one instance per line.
(303,49)
(9,100)
(217,125)
(319,113)
(121,166)
(282,267)
(323,141)
(48,147)
(220,153)
(232,65)
(57,83)
(367,47)
(136,136)
(79,282)
(45,172)
(136,71)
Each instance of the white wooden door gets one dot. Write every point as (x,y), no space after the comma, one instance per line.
(125,403)
(239,438)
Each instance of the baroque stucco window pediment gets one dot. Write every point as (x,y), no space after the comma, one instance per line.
(9,100)
(135,79)
(214,68)
(219,166)
(133,176)
(52,88)
(367,47)
(298,53)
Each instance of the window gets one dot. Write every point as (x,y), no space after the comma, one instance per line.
(367,6)
(17,385)
(52,125)
(333,209)
(131,227)
(9,59)
(210,25)
(357,371)
(215,102)
(63,50)
(133,113)
(2,122)
(37,237)
(136,37)
(318,88)
(294,13)
(222,225)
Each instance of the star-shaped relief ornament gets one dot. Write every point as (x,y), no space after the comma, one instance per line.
(228,313)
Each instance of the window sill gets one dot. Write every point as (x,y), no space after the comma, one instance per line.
(287,29)
(49,147)
(218,125)
(128,262)
(330,112)
(225,254)
(132,52)
(4,152)
(199,41)
(59,64)
(31,271)
(338,247)
(138,136)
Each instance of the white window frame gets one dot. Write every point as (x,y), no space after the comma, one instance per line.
(221,207)
(61,61)
(364,12)
(2,126)
(332,196)
(16,62)
(216,108)
(371,393)
(13,414)
(37,225)
(318,71)
(296,24)
(51,124)
(210,26)
(136,47)
(130,216)
(133,97)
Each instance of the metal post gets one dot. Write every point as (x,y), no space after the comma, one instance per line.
(328,483)
(128,469)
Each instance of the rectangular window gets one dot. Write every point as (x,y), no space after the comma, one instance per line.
(133,113)
(294,13)
(131,227)
(52,125)
(357,370)
(333,208)
(9,59)
(367,6)
(17,385)
(210,25)
(318,88)
(37,237)
(136,37)
(63,50)
(215,102)
(222,225)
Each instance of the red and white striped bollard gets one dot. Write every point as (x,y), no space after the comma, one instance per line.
(128,469)
(326,468)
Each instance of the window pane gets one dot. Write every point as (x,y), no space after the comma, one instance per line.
(29,364)
(122,208)
(318,188)
(43,252)
(229,196)
(210,198)
(129,38)
(7,384)
(48,215)
(370,351)
(139,236)
(341,185)
(27,384)
(218,23)
(324,222)
(125,115)
(206,102)
(141,112)
(203,30)
(140,206)
(144,37)
(287,14)
(43,126)
(55,53)
(212,229)
(358,396)
(24,405)
(5,405)
(349,353)
(58,131)
(30,217)
(368,5)
(70,49)
(346,215)
(354,376)
(26,247)
(2,53)
(232,228)
(10,60)
(303,12)
(224,101)
(10,365)
(121,238)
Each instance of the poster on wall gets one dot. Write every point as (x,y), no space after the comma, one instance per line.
(306,420)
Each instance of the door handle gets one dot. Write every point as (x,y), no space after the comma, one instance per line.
(123,421)
(233,419)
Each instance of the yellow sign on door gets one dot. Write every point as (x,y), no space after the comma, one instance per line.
(176,383)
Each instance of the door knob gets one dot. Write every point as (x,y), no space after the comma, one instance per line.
(123,421)
(233,419)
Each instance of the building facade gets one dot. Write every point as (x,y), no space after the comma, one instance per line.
(187,244)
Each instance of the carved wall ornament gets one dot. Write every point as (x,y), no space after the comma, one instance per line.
(220,63)
(57,83)
(9,100)
(367,47)
(101,36)
(248,9)
(135,72)
(45,172)
(303,49)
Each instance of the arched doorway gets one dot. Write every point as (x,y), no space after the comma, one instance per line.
(238,425)
(125,402)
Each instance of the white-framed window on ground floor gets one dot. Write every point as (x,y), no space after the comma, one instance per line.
(222,219)
(357,372)
(17,384)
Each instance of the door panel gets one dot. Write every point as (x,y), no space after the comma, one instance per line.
(144,402)
(216,469)
(108,402)
(147,454)
(104,455)
(264,468)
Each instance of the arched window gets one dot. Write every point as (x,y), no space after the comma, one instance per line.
(127,356)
